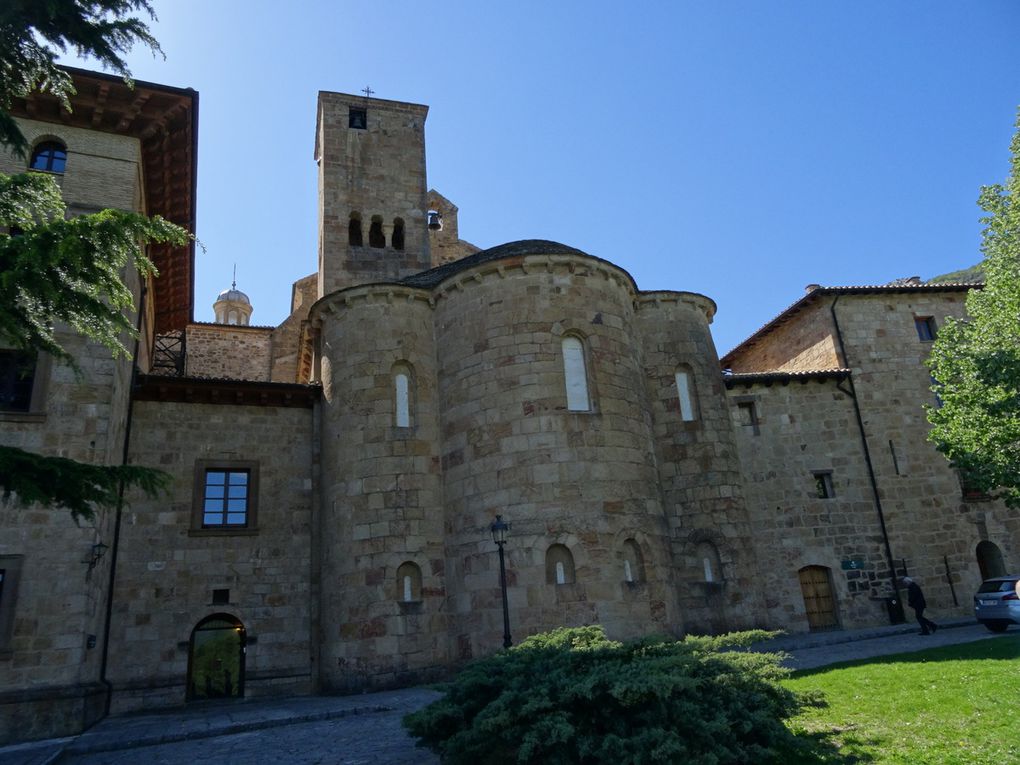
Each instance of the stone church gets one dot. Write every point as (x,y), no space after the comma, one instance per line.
(335,478)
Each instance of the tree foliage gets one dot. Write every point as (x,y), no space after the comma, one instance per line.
(56,271)
(32,32)
(573,696)
(976,361)
(68,270)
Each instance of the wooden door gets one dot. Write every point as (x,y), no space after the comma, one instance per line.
(816,585)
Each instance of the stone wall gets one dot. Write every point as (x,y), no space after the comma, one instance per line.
(375,171)
(229,352)
(382,495)
(585,480)
(698,469)
(804,342)
(804,428)
(286,339)
(167,568)
(445,244)
(49,666)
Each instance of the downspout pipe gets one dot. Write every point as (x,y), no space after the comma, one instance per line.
(852,393)
(115,546)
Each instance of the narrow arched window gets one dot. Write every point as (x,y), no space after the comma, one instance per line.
(376,238)
(232,317)
(633,562)
(708,559)
(402,396)
(575,375)
(398,234)
(354,231)
(685,395)
(559,565)
(50,156)
(408,582)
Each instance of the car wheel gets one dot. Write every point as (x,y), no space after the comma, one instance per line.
(997,626)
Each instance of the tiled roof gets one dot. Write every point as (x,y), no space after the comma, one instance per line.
(784,377)
(861,289)
(432,277)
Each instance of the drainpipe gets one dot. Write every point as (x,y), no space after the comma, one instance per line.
(852,393)
(115,547)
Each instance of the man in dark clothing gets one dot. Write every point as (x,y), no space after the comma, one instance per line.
(915,599)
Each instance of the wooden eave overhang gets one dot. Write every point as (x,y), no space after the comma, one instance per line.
(201,390)
(165,120)
(768,379)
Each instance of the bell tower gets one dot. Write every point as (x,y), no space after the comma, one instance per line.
(372,187)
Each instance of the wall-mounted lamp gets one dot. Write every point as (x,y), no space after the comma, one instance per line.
(95,555)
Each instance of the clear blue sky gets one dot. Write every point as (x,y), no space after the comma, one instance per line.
(738,149)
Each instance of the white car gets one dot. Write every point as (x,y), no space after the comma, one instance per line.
(997,602)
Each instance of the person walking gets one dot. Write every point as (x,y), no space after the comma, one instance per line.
(915,599)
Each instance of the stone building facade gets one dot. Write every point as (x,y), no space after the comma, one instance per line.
(334,478)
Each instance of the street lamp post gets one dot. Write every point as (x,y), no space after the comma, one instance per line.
(499,529)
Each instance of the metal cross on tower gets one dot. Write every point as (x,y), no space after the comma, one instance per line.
(367,91)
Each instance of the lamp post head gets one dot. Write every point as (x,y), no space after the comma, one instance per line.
(499,529)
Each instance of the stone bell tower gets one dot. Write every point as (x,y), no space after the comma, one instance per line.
(372,203)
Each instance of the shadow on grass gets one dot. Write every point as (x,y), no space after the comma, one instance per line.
(999,648)
(828,747)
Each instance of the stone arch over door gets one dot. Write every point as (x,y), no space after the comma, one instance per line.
(216,654)
(819,597)
(989,559)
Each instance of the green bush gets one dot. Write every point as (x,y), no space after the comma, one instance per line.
(573,696)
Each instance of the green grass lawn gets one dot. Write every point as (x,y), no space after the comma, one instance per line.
(957,704)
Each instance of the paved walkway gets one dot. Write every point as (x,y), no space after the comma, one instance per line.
(366,729)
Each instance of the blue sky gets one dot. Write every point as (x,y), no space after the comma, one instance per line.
(738,149)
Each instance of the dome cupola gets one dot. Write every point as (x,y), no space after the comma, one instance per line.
(232,306)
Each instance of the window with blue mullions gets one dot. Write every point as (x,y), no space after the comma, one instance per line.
(226,498)
(50,157)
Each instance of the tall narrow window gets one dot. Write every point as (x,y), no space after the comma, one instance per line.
(408,582)
(354,231)
(633,562)
(398,234)
(576,375)
(824,488)
(708,559)
(17,380)
(684,395)
(747,416)
(376,238)
(50,156)
(402,393)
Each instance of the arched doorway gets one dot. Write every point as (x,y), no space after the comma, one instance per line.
(819,601)
(989,558)
(216,659)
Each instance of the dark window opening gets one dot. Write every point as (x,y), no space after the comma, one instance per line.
(926,328)
(823,485)
(375,233)
(17,377)
(895,459)
(357,119)
(220,597)
(226,498)
(972,493)
(747,415)
(398,234)
(354,231)
(50,156)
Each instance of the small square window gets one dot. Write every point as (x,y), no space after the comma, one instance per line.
(220,597)
(22,378)
(823,485)
(747,416)
(926,328)
(225,497)
(357,119)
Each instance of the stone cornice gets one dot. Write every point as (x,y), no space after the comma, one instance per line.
(200,390)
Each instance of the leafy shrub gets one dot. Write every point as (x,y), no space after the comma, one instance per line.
(574,696)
